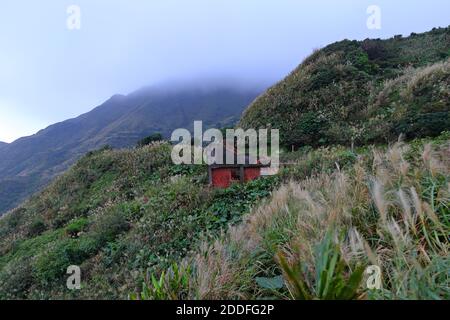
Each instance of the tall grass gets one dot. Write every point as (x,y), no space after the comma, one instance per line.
(390,209)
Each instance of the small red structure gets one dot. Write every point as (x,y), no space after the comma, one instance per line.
(222,176)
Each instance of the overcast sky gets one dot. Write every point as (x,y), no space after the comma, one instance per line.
(49,73)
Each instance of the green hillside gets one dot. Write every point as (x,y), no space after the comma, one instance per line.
(119,215)
(363,92)
(127,217)
(140,227)
(337,212)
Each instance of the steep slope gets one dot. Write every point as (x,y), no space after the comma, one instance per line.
(367,91)
(124,216)
(318,233)
(31,162)
(116,214)
(127,217)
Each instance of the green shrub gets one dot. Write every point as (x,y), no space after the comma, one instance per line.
(106,227)
(77,226)
(52,264)
(150,139)
(229,205)
(37,227)
(174,285)
(331,280)
(15,279)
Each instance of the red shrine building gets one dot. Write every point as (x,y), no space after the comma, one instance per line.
(223,175)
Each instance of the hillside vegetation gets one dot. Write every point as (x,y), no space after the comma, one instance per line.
(363,92)
(142,228)
(130,218)
(118,215)
(337,212)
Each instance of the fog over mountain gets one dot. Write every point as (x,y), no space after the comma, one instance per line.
(50,73)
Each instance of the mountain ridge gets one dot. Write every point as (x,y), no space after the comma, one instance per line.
(349,92)
(31,162)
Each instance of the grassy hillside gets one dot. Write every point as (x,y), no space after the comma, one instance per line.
(127,217)
(119,215)
(337,212)
(363,92)
(140,227)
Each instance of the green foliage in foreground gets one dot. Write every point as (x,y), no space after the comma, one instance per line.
(329,279)
(336,212)
(142,228)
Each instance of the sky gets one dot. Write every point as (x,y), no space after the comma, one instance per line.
(51,70)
